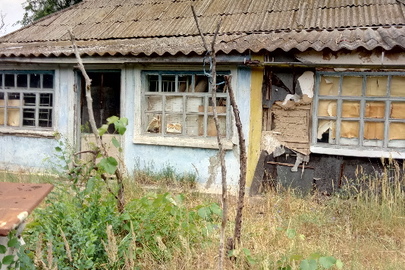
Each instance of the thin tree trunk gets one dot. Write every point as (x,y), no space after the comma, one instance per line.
(89,99)
(243,158)
(100,146)
(213,73)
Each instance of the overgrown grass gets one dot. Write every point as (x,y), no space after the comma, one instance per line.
(363,226)
(164,177)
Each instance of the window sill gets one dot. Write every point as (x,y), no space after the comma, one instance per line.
(350,151)
(27,133)
(209,143)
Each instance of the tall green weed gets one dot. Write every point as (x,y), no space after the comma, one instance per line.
(81,229)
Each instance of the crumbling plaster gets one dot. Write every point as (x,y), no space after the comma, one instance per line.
(359,57)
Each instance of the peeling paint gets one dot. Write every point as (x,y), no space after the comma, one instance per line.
(307,82)
(22,216)
(212,170)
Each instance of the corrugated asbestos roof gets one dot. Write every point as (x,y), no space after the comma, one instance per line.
(146,27)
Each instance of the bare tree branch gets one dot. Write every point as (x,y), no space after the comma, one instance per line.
(221,150)
(100,146)
(89,99)
(242,163)
(2,23)
(199,29)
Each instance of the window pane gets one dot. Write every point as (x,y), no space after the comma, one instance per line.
(220,109)
(48,81)
(326,131)
(194,123)
(174,124)
(174,104)
(201,84)
(45,100)
(13,113)
(14,99)
(9,80)
(351,86)
(398,110)
(329,86)
(374,109)
(154,103)
(22,80)
(397,86)
(35,81)
(373,131)
(195,104)
(327,108)
(29,99)
(221,102)
(153,83)
(351,108)
(396,135)
(211,129)
(376,86)
(2,109)
(154,124)
(1,81)
(45,118)
(349,129)
(168,83)
(397,131)
(184,83)
(29,117)
(182,102)
(220,84)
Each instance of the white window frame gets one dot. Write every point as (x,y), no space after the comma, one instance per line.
(142,136)
(359,147)
(19,122)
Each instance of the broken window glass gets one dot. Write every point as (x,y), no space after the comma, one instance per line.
(329,86)
(24,103)
(179,104)
(361,109)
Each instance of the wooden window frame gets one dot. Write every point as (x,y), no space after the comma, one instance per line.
(22,121)
(361,146)
(182,138)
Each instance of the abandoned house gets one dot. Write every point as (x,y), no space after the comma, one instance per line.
(319,84)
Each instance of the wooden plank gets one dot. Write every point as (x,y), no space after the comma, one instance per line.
(288,164)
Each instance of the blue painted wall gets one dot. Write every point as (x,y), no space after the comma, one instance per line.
(29,153)
(202,162)
(18,151)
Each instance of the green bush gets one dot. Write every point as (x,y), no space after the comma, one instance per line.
(70,230)
(81,229)
(162,223)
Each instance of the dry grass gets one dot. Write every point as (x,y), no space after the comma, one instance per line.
(364,227)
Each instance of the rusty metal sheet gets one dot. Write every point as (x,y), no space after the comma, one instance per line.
(17,200)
